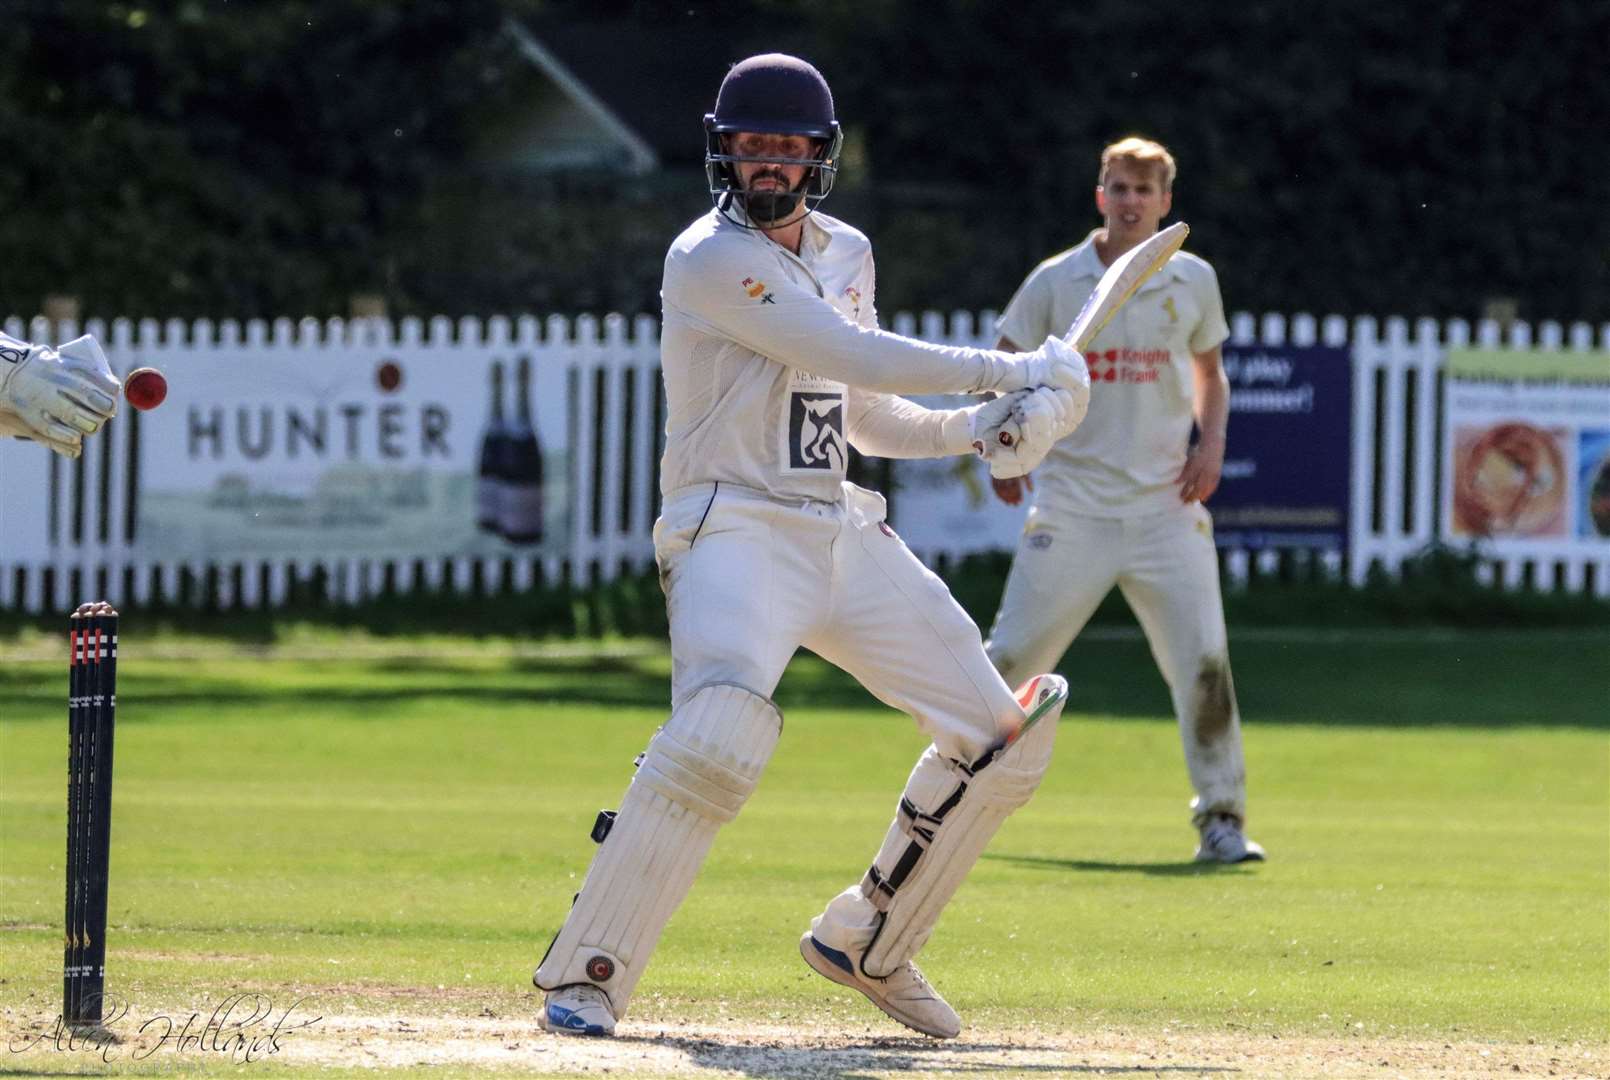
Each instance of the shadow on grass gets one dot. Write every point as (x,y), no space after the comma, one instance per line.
(1157,869)
(868,1058)
(1466,681)
(511,687)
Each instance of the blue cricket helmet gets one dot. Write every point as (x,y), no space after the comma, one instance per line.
(774,94)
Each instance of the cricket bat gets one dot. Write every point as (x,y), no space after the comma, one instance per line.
(1121,280)
(1114,289)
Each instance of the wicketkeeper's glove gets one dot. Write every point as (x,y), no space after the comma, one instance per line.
(56,396)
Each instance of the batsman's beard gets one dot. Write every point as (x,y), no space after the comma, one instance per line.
(772,207)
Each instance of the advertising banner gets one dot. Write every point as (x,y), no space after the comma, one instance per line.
(1526,451)
(1288,455)
(362,452)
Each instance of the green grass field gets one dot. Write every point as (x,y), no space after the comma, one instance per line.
(410,827)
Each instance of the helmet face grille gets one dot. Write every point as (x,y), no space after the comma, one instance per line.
(772,94)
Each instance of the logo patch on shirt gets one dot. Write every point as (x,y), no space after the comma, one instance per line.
(1039,541)
(816,431)
(810,427)
(853,294)
(757,290)
(1126,365)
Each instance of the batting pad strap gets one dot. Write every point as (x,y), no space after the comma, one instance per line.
(695,776)
(947,815)
(920,830)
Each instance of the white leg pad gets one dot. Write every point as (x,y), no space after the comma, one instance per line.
(947,814)
(697,773)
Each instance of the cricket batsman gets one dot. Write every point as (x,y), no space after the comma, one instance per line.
(774,366)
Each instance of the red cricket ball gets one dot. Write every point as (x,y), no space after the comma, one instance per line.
(145,388)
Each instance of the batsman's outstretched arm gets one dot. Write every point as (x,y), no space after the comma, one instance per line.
(1013,432)
(55,396)
(792,325)
(883,425)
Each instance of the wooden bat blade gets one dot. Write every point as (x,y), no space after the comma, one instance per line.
(1121,280)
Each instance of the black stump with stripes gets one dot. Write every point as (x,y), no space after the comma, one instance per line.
(91,701)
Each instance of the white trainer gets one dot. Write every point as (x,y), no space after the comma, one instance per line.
(1224,842)
(578,1009)
(905,995)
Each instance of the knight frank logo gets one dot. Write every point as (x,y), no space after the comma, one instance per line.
(1132,366)
(816,432)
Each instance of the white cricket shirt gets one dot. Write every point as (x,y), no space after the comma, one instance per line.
(773,361)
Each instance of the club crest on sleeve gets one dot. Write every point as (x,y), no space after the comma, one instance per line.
(757,290)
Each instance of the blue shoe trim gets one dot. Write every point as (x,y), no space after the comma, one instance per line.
(570,1020)
(839,959)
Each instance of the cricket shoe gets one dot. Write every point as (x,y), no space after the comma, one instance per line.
(1224,842)
(905,995)
(578,1009)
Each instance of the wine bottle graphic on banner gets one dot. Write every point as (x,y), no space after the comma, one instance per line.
(489,475)
(521,515)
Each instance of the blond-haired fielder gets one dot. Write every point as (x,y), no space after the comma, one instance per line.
(1119,501)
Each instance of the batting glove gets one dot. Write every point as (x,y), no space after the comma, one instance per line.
(1055,363)
(1047,415)
(1014,440)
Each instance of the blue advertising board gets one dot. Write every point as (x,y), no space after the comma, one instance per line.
(1287,460)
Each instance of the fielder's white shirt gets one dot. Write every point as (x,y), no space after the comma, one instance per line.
(773,362)
(1122,460)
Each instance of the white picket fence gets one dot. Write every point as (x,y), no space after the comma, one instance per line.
(64,527)
(1397,393)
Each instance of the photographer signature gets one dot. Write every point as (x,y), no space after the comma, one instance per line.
(242,1027)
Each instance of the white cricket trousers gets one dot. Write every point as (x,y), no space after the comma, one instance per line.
(749,580)
(1166,567)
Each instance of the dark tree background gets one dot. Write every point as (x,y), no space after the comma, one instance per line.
(240,160)
(227,158)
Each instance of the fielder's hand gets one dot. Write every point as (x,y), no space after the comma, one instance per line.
(57,395)
(1010,491)
(1199,477)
